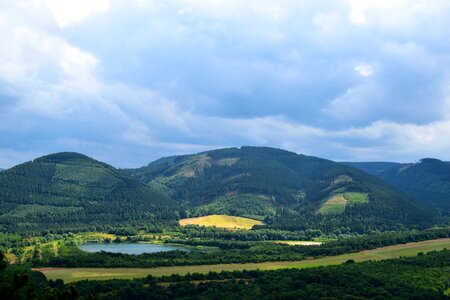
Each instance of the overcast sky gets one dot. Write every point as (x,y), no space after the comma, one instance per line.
(127,82)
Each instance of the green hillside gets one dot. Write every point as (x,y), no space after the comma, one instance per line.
(285,189)
(428,181)
(71,190)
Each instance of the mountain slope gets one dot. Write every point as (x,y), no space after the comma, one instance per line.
(290,191)
(428,181)
(374,168)
(71,190)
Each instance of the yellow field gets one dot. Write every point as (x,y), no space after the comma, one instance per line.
(410,249)
(298,243)
(103,235)
(222,221)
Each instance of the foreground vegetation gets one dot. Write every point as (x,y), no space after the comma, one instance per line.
(388,279)
(391,279)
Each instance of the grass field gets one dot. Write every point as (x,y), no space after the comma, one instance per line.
(334,205)
(297,243)
(222,221)
(410,249)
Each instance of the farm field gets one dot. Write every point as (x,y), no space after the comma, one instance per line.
(410,249)
(222,221)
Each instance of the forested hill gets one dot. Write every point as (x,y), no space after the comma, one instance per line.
(428,181)
(374,168)
(290,191)
(70,190)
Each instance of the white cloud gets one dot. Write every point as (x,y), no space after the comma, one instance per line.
(364,70)
(357,17)
(68,12)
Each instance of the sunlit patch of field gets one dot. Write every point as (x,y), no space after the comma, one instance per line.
(222,221)
(298,243)
(102,235)
(410,249)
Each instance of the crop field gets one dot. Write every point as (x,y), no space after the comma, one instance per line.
(222,221)
(410,249)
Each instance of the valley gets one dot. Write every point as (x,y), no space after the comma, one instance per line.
(390,252)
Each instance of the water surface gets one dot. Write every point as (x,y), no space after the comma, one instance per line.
(130,248)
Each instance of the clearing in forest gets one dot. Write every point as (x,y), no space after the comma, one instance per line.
(336,204)
(222,221)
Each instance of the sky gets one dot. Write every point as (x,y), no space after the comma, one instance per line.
(127,82)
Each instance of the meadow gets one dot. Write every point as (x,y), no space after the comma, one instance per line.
(222,221)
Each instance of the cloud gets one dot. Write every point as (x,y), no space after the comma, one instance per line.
(68,12)
(128,82)
(364,70)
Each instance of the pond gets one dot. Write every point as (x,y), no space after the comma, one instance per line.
(131,248)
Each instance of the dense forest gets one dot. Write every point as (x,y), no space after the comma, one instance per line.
(428,181)
(69,190)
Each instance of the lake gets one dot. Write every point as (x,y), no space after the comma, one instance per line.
(130,248)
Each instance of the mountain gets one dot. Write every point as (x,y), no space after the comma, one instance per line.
(374,168)
(73,190)
(289,191)
(428,181)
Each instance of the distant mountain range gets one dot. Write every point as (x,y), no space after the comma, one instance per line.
(285,190)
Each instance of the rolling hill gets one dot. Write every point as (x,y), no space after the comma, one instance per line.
(428,181)
(71,190)
(288,191)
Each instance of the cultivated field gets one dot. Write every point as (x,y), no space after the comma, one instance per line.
(410,249)
(222,221)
